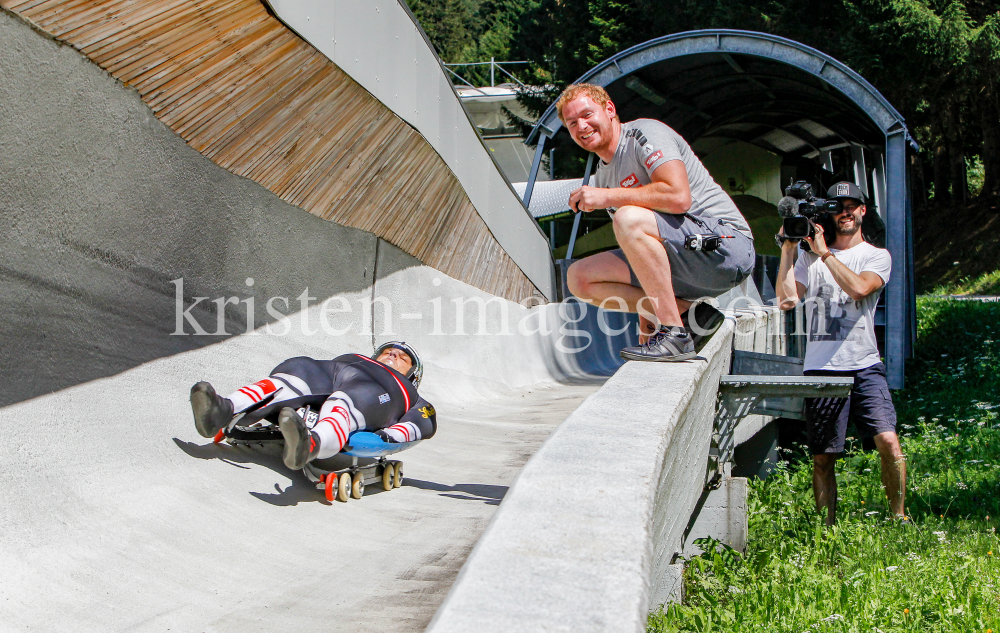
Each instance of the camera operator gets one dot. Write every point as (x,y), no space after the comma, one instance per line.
(839,285)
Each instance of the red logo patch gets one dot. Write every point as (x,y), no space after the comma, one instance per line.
(631,181)
(652,158)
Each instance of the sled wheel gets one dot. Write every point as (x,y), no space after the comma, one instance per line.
(397,469)
(358,485)
(343,486)
(328,479)
(388,474)
(221,435)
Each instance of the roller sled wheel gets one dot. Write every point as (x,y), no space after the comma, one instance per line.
(397,479)
(388,477)
(329,480)
(358,485)
(344,487)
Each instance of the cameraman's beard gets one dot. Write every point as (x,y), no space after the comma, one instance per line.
(855,227)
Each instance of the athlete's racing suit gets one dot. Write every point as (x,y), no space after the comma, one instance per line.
(354,393)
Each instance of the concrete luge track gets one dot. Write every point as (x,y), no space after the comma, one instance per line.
(119,517)
(114,514)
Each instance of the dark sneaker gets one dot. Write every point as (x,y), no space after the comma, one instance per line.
(670,344)
(300,447)
(706,322)
(211,411)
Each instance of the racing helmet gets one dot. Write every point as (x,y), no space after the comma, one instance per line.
(416,371)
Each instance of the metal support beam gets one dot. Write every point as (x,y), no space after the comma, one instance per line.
(896,290)
(742,395)
(576,218)
(533,174)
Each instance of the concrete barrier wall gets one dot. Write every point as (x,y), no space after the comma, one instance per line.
(587,536)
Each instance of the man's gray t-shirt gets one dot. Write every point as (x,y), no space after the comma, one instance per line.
(645,144)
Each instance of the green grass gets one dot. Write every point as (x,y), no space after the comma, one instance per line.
(985,284)
(941,573)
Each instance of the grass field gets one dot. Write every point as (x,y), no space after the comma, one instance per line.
(870,574)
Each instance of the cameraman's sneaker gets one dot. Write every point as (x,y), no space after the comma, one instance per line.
(211,411)
(300,446)
(669,344)
(707,321)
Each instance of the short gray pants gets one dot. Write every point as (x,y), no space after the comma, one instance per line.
(698,274)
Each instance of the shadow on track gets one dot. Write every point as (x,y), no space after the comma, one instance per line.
(487,493)
(302,490)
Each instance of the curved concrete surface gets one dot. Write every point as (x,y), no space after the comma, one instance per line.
(115,514)
(121,517)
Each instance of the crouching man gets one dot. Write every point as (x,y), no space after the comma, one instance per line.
(356,392)
(658,194)
(840,284)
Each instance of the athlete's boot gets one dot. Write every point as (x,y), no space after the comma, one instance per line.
(211,411)
(301,446)
(707,321)
(669,344)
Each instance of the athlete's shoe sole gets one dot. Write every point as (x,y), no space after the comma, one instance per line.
(210,411)
(649,358)
(293,429)
(669,345)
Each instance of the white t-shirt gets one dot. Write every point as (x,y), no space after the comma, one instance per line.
(841,331)
(645,144)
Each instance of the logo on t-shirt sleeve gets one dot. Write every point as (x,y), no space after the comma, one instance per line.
(652,158)
(631,181)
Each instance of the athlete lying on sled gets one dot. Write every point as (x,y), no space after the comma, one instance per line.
(360,394)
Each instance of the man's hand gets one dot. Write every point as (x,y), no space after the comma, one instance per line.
(588,198)
(787,245)
(817,243)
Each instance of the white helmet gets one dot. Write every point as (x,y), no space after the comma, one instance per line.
(417,368)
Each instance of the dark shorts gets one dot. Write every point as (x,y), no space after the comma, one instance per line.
(869,406)
(697,274)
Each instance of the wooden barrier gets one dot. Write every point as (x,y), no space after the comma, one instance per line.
(248,93)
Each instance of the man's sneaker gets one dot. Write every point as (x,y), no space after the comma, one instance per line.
(211,411)
(300,447)
(707,321)
(669,344)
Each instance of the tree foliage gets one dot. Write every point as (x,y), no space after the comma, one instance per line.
(936,61)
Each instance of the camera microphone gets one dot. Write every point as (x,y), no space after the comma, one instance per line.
(788,207)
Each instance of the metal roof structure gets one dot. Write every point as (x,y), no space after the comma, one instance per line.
(719,86)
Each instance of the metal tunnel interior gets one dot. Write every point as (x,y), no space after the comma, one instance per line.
(824,121)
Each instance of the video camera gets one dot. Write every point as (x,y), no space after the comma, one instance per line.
(802,210)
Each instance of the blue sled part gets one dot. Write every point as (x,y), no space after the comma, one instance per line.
(367,444)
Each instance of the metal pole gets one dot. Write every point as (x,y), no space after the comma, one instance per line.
(491,72)
(533,174)
(552,164)
(896,317)
(576,220)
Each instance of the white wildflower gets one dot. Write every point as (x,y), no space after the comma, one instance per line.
(892,568)
(941,536)
(868,514)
